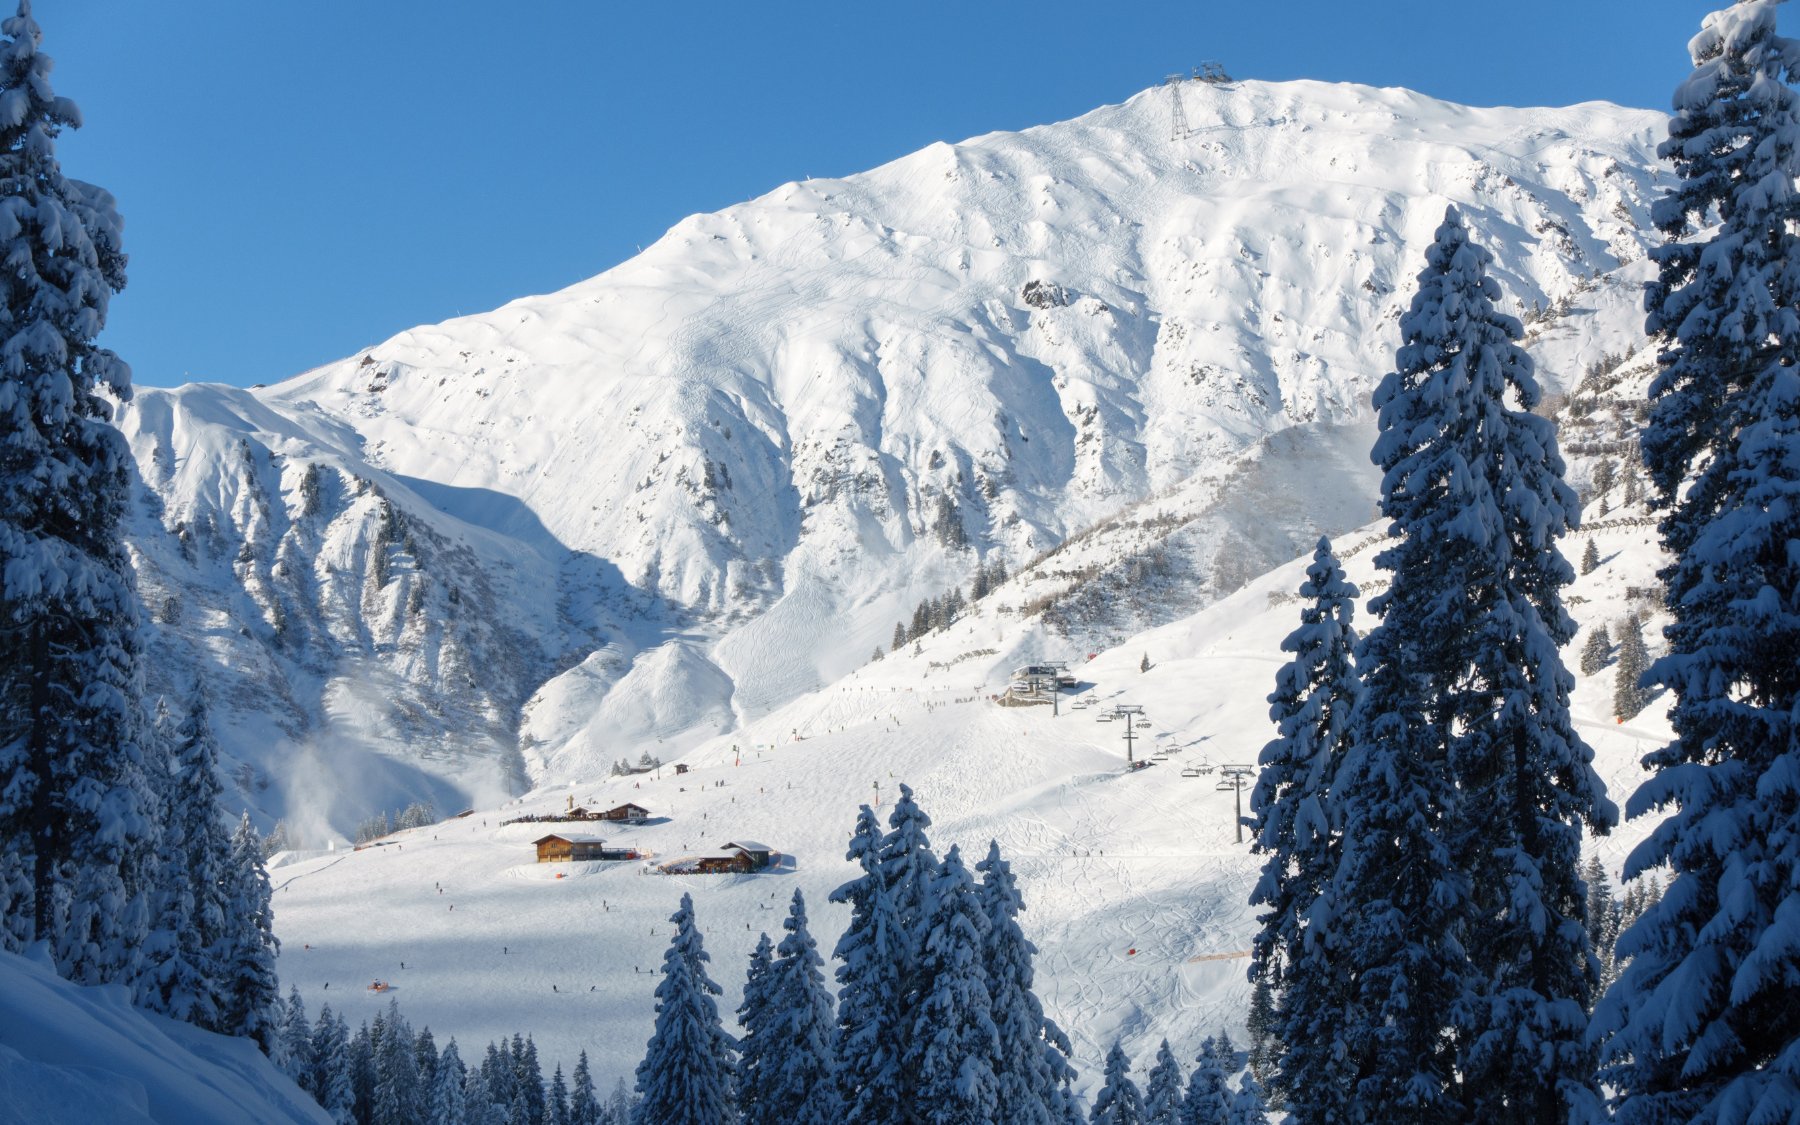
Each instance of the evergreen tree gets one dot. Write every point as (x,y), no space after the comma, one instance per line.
(478,1098)
(531,1078)
(978,585)
(361,1068)
(921,620)
(801,1089)
(329,1082)
(621,1104)
(295,1035)
(1260,1022)
(900,637)
(1590,556)
(997,574)
(871,951)
(426,1062)
(1597,651)
(1029,1080)
(1291,816)
(1457,911)
(1208,1102)
(1630,696)
(187,979)
(759,1048)
(1702,1024)
(1248,1107)
(1604,472)
(556,1108)
(1602,917)
(584,1106)
(685,1078)
(952,1053)
(1162,1093)
(1118,1102)
(245,952)
(396,1097)
(78,827)
(449,1105)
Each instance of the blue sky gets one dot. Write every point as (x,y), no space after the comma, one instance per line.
(302,179)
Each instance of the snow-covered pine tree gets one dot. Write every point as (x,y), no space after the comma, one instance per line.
(685,1078)
(621,1104)
(1630,696)
(245,951)
(870,952)
(900,637)
(1118,1102)
(1259,1022)
(1604,473)
(759,1048)
(531,1076)
(556,1105)
(1027,1093)
(1457,906)
(978,585)
(801,1089)
(1590,556)
(478,1099)
(186,978)
(953,1050)
(396,1100)
(425,1061)
(1702,1024)
(1248,1106)
(908,870)
(330,1082)
(1291,815)
(1597,651)
(1207,1101)
(1162,1091)
(295,1035)
(584,1104)
(1602,917)
(78,827)
(360,1065)
(448,1103)
(1065,1106)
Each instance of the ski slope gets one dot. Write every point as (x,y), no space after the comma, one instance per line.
(1135,883)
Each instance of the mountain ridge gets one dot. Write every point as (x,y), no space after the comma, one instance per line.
(657,504)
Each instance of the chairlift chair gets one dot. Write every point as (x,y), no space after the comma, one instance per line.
(1103,717)
(1192,771)
(1143,724)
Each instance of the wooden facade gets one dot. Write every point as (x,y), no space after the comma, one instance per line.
(579,849)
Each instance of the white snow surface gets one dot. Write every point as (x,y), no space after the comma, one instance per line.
(1135,884)
(646,510)
(85,1055)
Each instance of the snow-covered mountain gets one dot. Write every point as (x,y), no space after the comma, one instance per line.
(1136,884)
(667,501)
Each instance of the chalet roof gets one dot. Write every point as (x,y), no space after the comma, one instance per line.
(628,805)
(571,838)
(749,846)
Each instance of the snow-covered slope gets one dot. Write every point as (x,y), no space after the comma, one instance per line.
(85,1055)
(666,501)
(1135,883)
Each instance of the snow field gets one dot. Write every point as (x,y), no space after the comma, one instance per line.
(1108,862)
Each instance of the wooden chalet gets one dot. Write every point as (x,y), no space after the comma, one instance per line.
(761,855)
(739,857)
(576,848)
(627,813)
